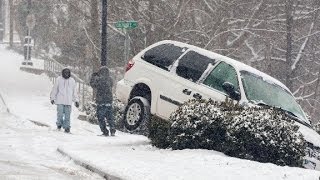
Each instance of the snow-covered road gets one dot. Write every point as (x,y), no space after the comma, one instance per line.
(28,151)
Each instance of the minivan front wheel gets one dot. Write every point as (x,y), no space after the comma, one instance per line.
(136,115)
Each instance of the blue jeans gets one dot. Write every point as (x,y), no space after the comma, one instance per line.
(105,111)
(63,116)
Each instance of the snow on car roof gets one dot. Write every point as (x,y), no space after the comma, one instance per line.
(239,66)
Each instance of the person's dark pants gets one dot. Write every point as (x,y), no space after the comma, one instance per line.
(105,111)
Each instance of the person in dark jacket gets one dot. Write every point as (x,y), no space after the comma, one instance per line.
(102,82)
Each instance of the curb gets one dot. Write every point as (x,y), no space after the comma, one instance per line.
(4,103)
(88,166)
(38,123)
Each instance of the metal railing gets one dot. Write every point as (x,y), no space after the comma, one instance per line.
(53,69)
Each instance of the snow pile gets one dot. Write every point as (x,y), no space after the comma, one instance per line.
(260,134)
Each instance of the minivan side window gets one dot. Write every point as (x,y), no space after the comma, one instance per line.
(192,65)
(222,73)
(163,55)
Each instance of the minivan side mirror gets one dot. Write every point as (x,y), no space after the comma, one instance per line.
(231,91)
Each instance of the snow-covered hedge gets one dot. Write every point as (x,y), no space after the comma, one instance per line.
(159,131)
(260,134)
(265,135)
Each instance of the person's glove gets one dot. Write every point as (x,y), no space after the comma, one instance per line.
(76,104)
(52,101)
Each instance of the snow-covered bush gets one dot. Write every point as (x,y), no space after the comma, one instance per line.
(265,135)
(158,132)
(118,110)
(260,134)
(90,110)
(198,124)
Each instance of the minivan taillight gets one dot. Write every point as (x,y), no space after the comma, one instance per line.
(129,65)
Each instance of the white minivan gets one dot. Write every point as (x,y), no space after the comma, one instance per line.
(166,74)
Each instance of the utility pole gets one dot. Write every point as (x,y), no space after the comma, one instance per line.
(289,26)
(104,33)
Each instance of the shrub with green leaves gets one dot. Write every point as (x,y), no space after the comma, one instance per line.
(90,109)
(260,134)
(265,135)
(159,131)
(197,124)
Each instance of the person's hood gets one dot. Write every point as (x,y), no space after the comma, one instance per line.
(66,73)
(103,71)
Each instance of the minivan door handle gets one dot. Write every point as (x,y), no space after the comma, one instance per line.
(197,96)
(187,91)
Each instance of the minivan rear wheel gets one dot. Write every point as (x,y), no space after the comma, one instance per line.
(136,116)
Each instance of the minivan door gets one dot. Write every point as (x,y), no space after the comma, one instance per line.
(184,84)
(211,85)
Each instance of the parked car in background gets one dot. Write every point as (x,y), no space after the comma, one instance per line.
(166,74)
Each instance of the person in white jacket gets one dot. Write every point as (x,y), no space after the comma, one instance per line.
(63,93)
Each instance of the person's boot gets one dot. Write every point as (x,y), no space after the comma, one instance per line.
(113,132)
(67,130)
(59,128)
(106,133)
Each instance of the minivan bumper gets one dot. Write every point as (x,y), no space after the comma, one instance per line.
(123,90)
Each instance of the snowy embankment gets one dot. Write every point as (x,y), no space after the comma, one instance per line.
(125,156)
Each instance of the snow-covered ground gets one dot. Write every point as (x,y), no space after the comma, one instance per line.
(29,151)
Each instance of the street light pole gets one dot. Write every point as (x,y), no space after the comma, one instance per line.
(104,34)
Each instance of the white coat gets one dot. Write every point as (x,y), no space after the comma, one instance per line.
(64,91)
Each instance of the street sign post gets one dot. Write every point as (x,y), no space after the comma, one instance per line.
(125,26)
(30,22)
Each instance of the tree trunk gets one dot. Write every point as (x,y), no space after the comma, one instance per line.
(11,22)
(95,34)
(315,96)
(289,24)
(1,21)
(150,26)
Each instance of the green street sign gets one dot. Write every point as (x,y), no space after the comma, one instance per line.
(126,24)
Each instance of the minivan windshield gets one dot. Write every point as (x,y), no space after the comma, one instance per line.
(261,91)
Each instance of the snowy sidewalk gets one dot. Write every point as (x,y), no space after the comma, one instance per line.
(133,158)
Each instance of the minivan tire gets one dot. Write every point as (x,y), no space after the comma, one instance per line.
(136,116)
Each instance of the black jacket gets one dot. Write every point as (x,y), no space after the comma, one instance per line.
(103,83)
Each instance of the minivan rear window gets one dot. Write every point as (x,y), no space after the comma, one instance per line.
(163,55)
